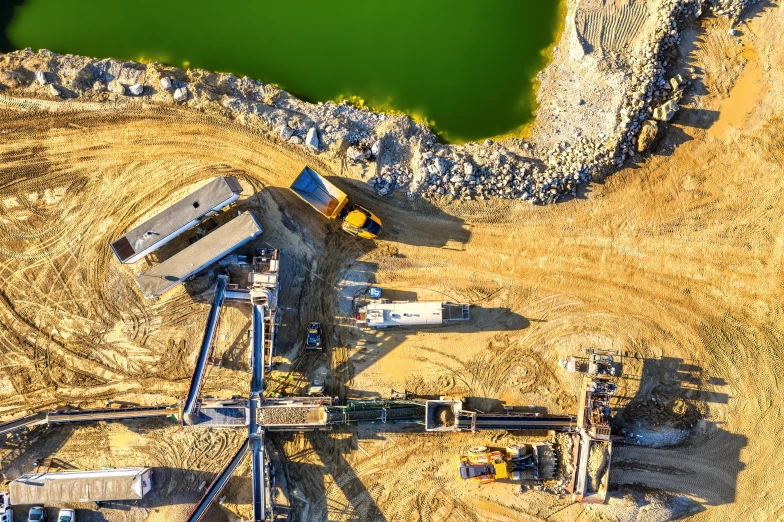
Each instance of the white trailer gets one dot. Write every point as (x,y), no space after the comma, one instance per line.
(81,486)
(383,314)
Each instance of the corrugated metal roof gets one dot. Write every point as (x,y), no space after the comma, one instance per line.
(78,486)
(197,256)
(158,229)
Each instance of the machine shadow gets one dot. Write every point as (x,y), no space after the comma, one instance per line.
(665,442)
(433,228)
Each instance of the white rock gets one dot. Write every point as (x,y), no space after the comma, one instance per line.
(468,169)
(136,89)
(40,76)
(99,86)
(296,140)
(357,154)
(376,148)
(285,132)
(440,165)
(181,94)
(312,139)
(54,91)
(117,87)
(166,83)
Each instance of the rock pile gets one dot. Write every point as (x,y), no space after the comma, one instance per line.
(405,154)
(283,415)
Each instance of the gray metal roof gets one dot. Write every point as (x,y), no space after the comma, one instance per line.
(199,255)
(163,226)
(78,486)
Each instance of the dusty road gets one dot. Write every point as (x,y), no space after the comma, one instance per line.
(675,261)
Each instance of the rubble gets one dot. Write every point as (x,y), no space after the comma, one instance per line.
(136,89)
(413,158)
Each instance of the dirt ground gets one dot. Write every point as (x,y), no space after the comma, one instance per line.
(675,261)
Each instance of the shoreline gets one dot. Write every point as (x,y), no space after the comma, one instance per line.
(585,126)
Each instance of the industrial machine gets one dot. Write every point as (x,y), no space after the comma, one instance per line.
(333,203)
(484,466)
(313,340)
(6,513)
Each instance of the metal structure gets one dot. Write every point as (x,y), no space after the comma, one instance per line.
(176,219)
(449,415)
(218,483)
(81,486)
(198,256)
(206,345)
(68,416)
(383,314)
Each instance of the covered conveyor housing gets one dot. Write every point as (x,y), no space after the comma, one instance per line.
(81,486)
(176,219)
(198,256)
(384,314)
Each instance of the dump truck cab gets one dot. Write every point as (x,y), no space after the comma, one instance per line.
(332,202)
(361,222)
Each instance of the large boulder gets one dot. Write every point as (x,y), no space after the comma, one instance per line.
(285,132)
(99,86)
(357,154)
(40,77)
(666,111)
(166,83)
(53,90)
(181,94)
(136,89)
(647,136)
(312,139)
(376,148)
(116,88)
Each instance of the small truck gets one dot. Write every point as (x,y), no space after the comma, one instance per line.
(313,339)
(333,203)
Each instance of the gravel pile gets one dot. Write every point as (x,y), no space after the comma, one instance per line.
(406,155)
(285,415)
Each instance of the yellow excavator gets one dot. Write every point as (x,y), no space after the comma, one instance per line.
(484,466)
(333,203)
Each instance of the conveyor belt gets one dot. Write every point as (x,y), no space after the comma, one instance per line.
(259,478)
(218,484)
(257,347)
(206,344)
(483,421)
(23,422)
(109,414)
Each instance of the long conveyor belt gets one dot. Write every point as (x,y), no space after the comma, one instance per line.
(206,344)
(484,421)
(23,422)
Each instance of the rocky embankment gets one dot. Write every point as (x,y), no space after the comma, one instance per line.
(403,154)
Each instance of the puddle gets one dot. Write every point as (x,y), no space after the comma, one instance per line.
(748,89)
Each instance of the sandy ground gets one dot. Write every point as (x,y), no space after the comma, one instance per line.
(675,261)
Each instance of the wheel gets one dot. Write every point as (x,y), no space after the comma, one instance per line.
(478,449)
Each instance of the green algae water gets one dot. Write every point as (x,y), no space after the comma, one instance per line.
(467,67)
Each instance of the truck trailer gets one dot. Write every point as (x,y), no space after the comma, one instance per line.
(131,483)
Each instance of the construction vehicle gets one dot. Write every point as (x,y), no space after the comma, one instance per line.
(6,513)
(313,339)
(484,466)
(333,203)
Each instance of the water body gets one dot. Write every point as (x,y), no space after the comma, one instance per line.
(467,67)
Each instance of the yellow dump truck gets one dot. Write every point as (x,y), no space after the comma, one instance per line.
(333,203)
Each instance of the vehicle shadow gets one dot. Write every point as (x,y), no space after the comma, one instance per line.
(661,410)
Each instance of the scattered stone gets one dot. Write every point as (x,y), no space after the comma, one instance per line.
(166,83)
(296,140)
(40,77)
(376,148)
(181,94)
(99,86)
(312,139)
(733,32)
(647,135)
(136,89)
(116,88)
(284,132)
(53,90)
(666,111)
(357,154)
